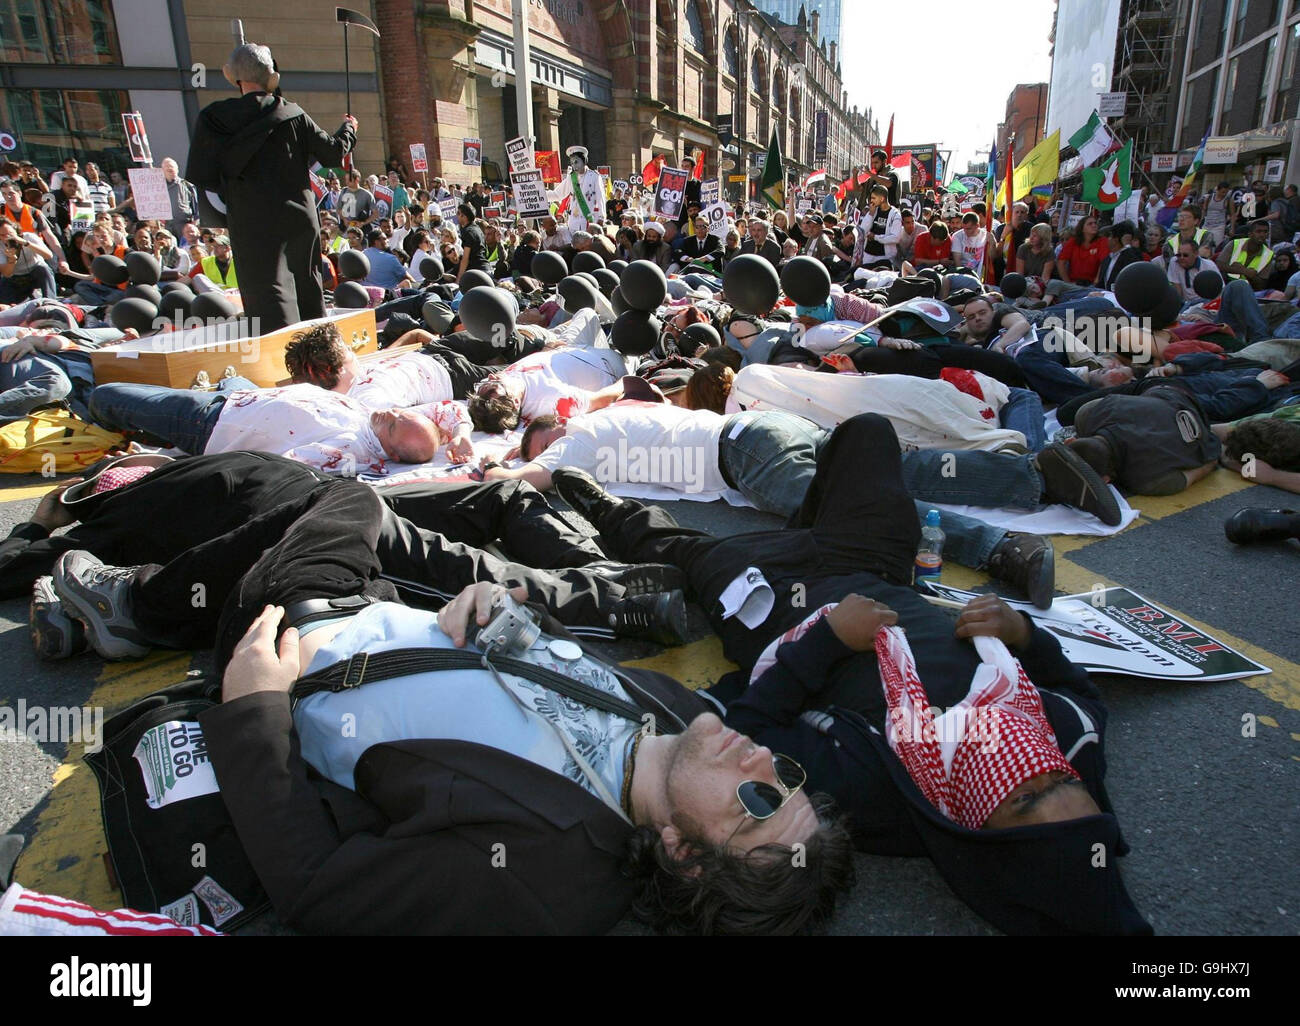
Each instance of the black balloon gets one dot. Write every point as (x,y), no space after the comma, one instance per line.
(133,312)
(212,306)
(606,279)
(1141,287)
(588,261)
(354,265)
(110,270)
(1166,311)
(175,286)
(644,285)
(617,266)
(549,268)
(805,280)
(430,268)
(351,295)
(143,268)
(176,301)
(1208,284)
(578,294)
(635,333)
(1014,285)
(618,301)
(475,279)
(750,284)
(488,314)
(149,293)
(703,335)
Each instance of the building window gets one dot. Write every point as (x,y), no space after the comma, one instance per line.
(731,55)
(1262,104)
(58,32)
(1239,25)
(695,28)
(1286,87)
(1230,90)
(51,124)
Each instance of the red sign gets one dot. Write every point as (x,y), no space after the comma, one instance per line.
(419,161)
(548,162)
(671,193)
(137,140)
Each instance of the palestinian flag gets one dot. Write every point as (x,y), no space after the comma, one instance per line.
(1109,184)
(773,181)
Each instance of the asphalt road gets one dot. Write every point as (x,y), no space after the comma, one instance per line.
(1211,814)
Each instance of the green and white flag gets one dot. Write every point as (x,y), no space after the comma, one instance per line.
(1109,185)
(1093,140)
(773,182)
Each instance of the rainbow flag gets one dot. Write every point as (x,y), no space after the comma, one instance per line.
(1165,218)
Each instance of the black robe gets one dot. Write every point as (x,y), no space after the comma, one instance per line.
(253,154)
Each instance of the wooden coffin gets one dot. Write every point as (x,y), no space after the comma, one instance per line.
(175,359)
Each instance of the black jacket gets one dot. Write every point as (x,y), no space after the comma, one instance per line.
(412,850)
(1031,880)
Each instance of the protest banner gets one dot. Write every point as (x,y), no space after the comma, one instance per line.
(1115,630)
(710,192)
(530,193)
(149,193)
(519,154)
(419,159)
(137,139)
(384,200)
(447,208)
(671,193)
(716,215)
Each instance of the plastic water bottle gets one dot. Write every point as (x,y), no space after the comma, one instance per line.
(929,557)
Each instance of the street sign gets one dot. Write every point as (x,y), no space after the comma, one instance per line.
(726,128)
(1112,105)
(1164,163)
(1222,151)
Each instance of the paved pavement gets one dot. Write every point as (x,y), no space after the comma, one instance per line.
(1211,814)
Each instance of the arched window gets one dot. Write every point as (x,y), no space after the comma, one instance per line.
(731,55)
(695,27)
(757,74)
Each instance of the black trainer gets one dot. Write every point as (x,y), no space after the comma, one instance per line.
(659,618)
(640,579)
(584,493)
(1027,561)
(1069,480)
(1247,526)
(55,634)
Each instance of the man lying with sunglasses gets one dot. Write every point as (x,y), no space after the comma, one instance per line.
(1014,816)
(531,788)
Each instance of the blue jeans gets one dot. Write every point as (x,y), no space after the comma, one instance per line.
(773,461)
(179,417)
(28,384)
(1048,374)
(1024,413)
(1240,311)
(20,287)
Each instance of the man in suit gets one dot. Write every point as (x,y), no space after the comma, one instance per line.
(760,241)
(481,805)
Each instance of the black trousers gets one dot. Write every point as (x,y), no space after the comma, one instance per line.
(465,374)
(278,263)
(857,517)
(930,362)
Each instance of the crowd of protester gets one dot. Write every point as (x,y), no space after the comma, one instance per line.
(844,367)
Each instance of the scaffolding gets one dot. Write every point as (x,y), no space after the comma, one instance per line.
(1149,35)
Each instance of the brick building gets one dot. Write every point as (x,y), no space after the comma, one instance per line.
(1025,118)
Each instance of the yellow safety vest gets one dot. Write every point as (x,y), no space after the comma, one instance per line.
(1264,256)
(213,273)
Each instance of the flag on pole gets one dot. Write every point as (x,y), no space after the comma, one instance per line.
(1009,236)
(990,191)
(651,171)
(1110,184)
(773,181)
(1040,167)
(816,178)
(1093,140)
(1165,218)
(889,142)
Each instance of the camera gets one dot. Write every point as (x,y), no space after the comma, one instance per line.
(512,630)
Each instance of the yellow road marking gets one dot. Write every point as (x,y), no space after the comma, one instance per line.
(63,856)
(26,492)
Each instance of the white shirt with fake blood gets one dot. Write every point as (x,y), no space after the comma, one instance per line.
(544,394)
(589,369)
(411,379)
(325,430)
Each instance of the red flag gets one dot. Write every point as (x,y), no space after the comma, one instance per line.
(698,173)
(651,171)
(889,143)
(1009,236)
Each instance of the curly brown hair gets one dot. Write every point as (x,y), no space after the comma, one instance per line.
(709,388)
(1273,441)
(316,356)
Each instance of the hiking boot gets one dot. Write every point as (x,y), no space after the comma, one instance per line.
(640,579)
(584,493)
(659,618)
(1028,562)
(55,634)
(99,596)
(1247,526)
(1069,480)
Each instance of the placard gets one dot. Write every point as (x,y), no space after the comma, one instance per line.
(149,193)
(1274,170)
(447,208)
(1112,105)
(636,179)
(548,162)
(83,215)
(1222,151)
(530,193)
(492,213)
(1164,163)
(1114,630)
(472,152)
(519,154)
(384,200)
(710,192)
(671,193)
(498,199)
(419,159)
(716,215)
(137,139)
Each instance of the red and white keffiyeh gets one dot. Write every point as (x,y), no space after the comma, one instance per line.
(967,760)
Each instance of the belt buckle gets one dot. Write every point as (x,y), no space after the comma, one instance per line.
(355,673)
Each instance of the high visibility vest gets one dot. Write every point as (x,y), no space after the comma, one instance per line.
(1175,239)
(210,269)
(1260,260)
(23,220)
